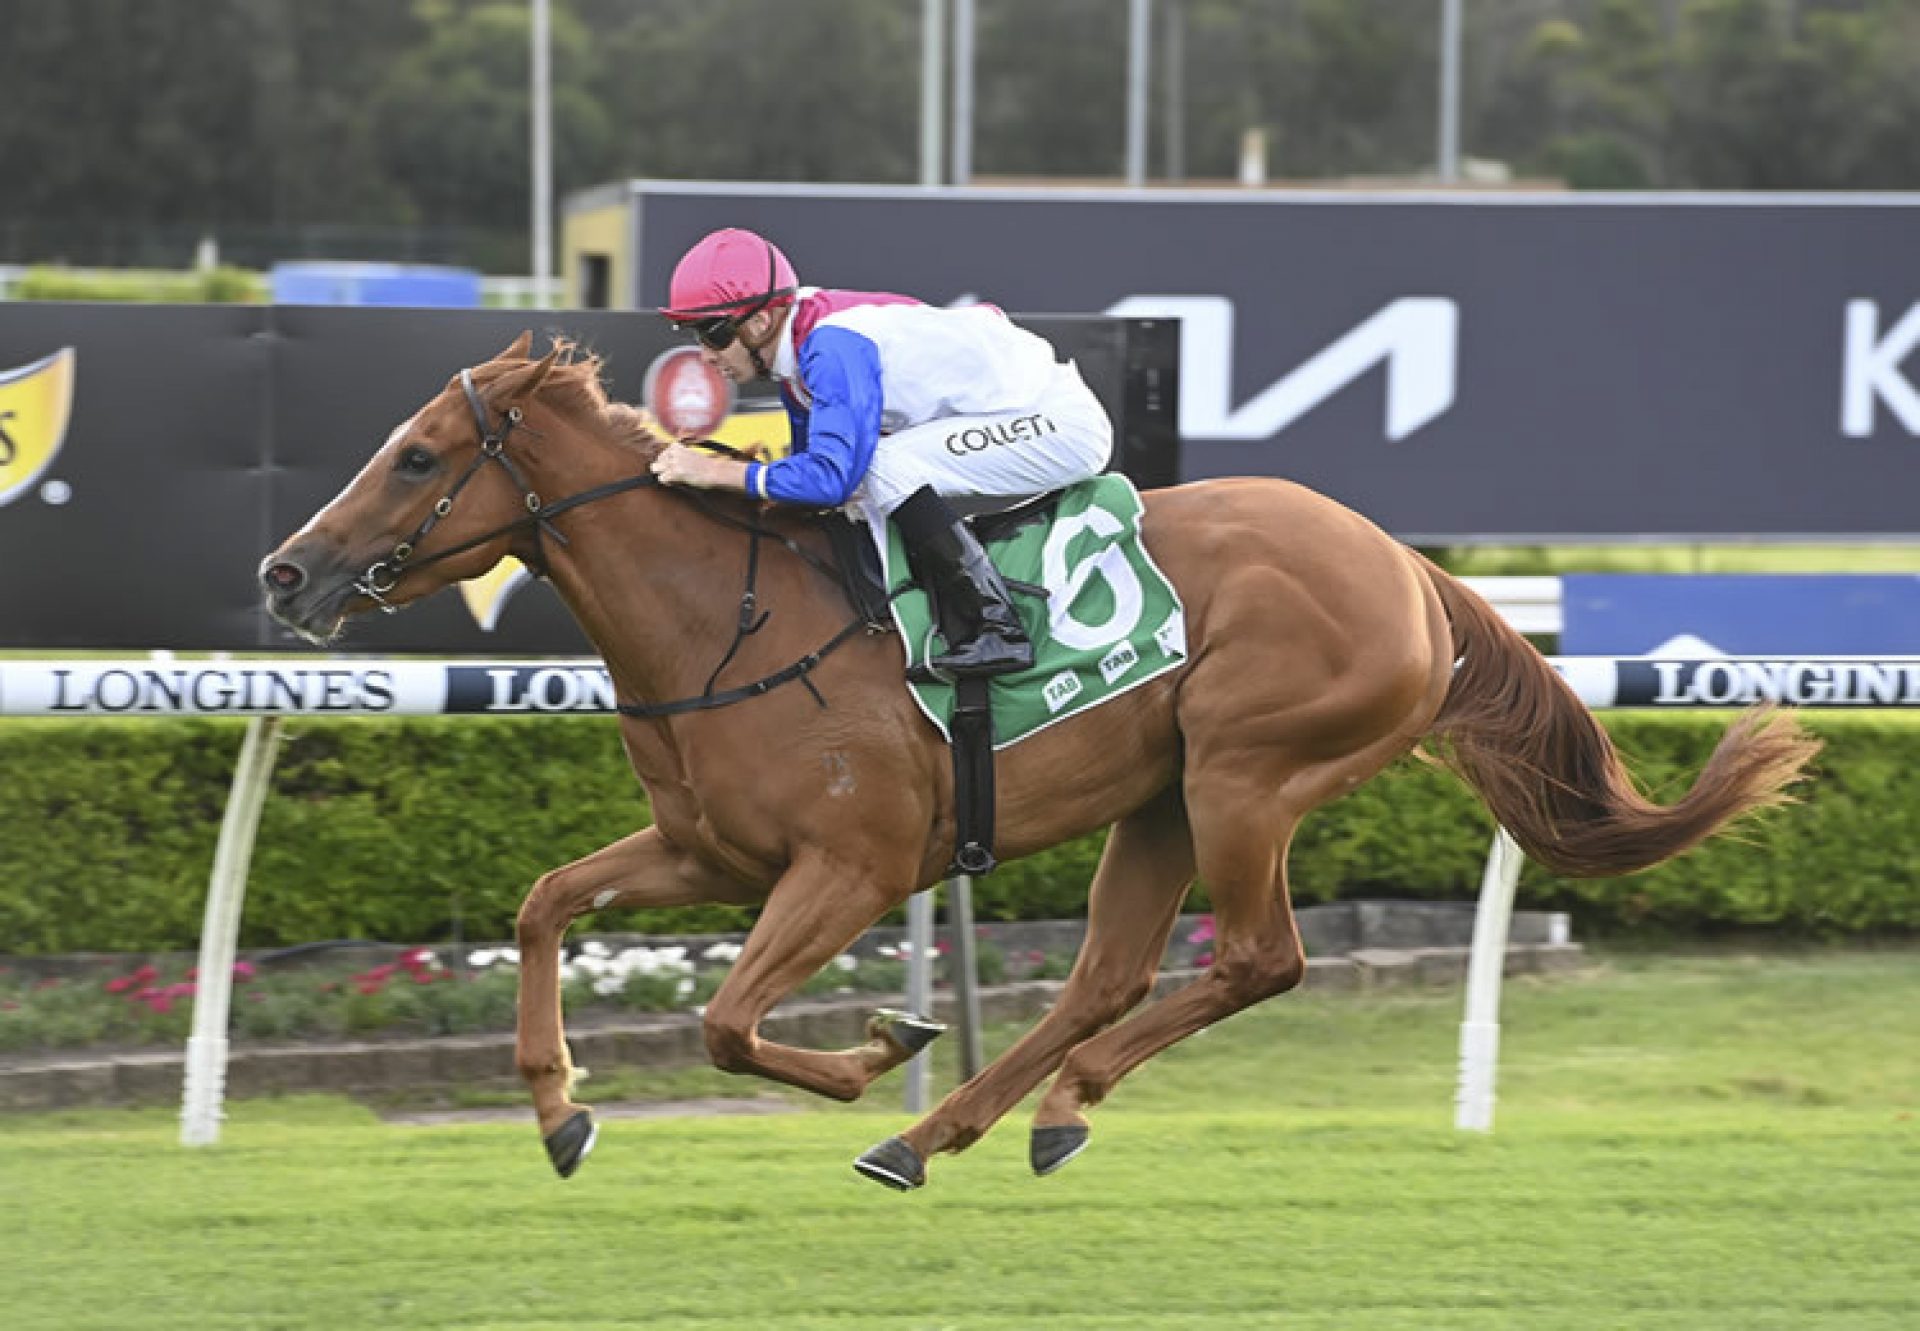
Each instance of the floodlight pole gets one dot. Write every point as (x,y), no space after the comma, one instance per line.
(962,92)
(933,62)
(542,154)
(1139,44)
(1450,91)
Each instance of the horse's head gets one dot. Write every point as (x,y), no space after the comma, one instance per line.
(444,499)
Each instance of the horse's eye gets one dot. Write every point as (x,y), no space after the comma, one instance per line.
(416,461)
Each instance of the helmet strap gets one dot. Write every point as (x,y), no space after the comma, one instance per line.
(760,365)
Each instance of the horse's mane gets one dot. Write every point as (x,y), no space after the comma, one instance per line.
(576,387)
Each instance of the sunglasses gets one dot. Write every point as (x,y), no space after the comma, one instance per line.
(715,334)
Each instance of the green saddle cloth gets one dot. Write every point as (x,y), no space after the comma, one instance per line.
(1111,620)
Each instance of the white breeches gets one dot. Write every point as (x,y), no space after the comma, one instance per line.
(1062,438)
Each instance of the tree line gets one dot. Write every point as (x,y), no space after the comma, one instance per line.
(400,128)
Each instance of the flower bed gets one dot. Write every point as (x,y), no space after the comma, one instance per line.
(420,992)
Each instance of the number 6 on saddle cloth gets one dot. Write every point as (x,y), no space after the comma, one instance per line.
(1102,617)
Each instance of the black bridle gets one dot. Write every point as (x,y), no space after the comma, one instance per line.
(383,575)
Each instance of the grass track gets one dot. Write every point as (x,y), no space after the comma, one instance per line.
(1704,1142)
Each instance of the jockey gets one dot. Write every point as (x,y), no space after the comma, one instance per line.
(894,405)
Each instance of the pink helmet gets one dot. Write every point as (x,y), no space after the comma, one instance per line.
(731,273)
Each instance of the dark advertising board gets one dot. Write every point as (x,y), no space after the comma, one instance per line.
(1458,368)
(151,455)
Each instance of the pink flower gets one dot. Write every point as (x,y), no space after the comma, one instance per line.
(146,975)
(1204,959)
(244,971)
(370,986)
(1203,931)
(121,985)
(174,991)
(418,959)
(423,977)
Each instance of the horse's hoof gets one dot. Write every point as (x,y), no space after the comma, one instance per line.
(912,1033)
(893,1163)
(1050,1148)
(568,1144)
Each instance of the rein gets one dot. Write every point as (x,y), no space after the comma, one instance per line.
(383,575)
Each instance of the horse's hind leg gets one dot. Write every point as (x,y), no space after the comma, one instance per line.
(1240,839)
(642,870)
(1143,877)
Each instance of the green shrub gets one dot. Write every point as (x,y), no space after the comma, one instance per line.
(215,286)
(426,829)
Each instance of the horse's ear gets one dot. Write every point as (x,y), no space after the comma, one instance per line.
(521,349)
(523,380)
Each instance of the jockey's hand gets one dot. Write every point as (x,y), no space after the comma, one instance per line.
(678,464)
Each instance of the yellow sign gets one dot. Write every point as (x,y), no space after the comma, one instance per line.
(763,433)
(486,596)
(36,402)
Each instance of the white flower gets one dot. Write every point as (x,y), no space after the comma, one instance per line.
(482,959)
(608,985)
(846,961)
(510,956)
(727,952)
(682,989)
(593,947)
(888,950)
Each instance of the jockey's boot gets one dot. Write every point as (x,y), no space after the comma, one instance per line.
(988,637)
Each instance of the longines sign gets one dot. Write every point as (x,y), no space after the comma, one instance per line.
(546,688)
(363,688)
(1457,367)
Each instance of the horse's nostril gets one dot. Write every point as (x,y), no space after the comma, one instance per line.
(283,577)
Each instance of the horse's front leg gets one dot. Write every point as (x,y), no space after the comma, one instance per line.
(642,870)
(820,906)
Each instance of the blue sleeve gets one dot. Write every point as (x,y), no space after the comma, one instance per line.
(833,444)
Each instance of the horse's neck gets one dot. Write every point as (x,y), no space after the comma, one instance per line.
(656,584)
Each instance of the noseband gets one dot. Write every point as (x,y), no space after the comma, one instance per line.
(384,574)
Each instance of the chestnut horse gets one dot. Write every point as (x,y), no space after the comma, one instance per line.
(1319,651)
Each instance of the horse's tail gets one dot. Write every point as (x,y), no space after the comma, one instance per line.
(1513,730)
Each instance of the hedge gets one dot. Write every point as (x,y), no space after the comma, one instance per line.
(213,286)
(428,829)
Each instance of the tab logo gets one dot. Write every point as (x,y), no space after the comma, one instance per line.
(36,402)
(1062,689)
(1118,662)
